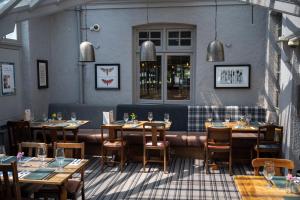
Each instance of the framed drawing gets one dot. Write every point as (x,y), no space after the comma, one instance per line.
(8,83)
(107,76)
(232,76)
(42,73)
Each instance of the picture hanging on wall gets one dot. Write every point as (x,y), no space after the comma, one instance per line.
(232,76)
(42,73)
(107,76)
(8,79)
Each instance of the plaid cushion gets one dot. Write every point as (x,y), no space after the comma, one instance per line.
(197,115)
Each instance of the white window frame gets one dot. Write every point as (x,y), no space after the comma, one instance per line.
(179,47)
(12,42)
(164,51)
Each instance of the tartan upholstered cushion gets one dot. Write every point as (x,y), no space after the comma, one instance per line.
(197,115)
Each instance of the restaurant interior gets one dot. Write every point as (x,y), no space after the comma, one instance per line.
(149,99)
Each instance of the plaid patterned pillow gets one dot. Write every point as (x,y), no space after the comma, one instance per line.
(197,115)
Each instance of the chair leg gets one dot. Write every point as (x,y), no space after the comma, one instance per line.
(144,159)
(165,160)
(230,164)
(206,161)
(122,159)
(257,153)
(82,192)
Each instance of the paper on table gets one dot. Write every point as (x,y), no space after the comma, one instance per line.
(108,117)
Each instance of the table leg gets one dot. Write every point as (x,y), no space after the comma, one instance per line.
(63,191)
(75,132)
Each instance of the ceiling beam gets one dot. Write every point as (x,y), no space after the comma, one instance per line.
(287,7)
(34,3)
(8,6)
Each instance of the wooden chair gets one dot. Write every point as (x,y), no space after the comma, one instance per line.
(113,143)
(9,188)
(156,142)
(18,131)
(269,140)
(278,164)
(54,130)
(74,185)
(219,140)
(31,148)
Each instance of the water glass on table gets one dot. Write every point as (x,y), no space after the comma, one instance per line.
(2,153)
(59,116)
(227,118)
(269,172)
(150,116)
(45,117)
(60,157)
(166,117)
(126,117)
(209,118)
(42,154)
(73,117)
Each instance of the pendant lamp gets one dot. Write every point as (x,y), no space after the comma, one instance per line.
(148,51)
(87,52)
(215,49)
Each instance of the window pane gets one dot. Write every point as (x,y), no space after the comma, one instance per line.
(173,34)
(179,73)
(143,35)
(155,34)
(173,42)
(185,42)
(150,80)
(141,41)
(156,42)
(185,34)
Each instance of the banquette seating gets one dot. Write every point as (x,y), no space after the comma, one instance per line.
(187,133)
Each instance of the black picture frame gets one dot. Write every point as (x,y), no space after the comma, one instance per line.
(107,76)
(42,74)
(8,78)
(232,76)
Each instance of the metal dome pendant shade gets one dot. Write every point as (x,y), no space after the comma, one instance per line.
(87,52)
(148,51)
(215,49)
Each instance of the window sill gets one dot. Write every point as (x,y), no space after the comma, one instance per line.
(7,44)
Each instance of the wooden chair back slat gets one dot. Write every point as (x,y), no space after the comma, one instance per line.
(270,133)
(31,148)
(54,130)
(219,135)
(278,164)
(112,132)
(154,126)
(9,189)
(18,131)
(71,149)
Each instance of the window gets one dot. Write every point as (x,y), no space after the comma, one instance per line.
(169,79)
(179,38)
(13,35)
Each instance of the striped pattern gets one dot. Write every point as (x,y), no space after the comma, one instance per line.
(186,180)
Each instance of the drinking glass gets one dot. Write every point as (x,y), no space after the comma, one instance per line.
(166,117)
(150,116)
(32,116)
(227,118)
(41,154)
(126,117)
(59,116)
(73,117)
(2,153)
(45,117)
(60,157)
(269,171)
(209,118)
(248,119)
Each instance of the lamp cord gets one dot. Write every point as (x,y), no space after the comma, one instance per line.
(216,15)
(147,11)
(85,23)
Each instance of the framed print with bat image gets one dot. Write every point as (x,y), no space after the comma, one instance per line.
(107,76)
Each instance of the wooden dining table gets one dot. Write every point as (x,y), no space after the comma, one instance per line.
(256,188)
(54,177)
(67,125)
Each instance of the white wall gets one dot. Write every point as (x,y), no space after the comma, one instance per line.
(116,46)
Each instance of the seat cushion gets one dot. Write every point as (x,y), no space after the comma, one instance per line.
(268,146)
(159,144)
(74,185)
(115,144)
(91,135)
(177,138)
(196,139)
(220,147)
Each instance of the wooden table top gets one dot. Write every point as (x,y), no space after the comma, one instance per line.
(67,124)
(255,188)
(136,126)
(235,127)
(56,178)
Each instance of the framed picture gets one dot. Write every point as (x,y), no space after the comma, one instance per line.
(107,76)
(42,73)
(8,79)
(232,76)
